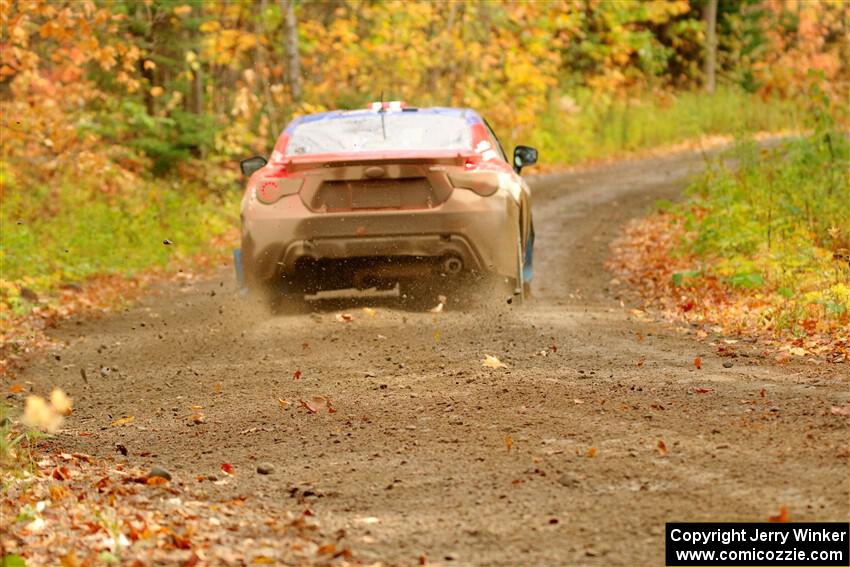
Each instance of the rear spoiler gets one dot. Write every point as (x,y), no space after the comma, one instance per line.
(315,161)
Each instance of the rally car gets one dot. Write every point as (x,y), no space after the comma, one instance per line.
(385,197)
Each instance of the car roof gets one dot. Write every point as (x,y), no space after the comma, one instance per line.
(467,114)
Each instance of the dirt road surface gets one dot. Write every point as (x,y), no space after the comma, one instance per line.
(553,460)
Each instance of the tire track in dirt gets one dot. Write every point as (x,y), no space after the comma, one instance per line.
(415,460)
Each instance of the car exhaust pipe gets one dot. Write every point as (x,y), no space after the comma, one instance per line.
(452,265)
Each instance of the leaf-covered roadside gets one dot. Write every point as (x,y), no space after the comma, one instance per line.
(73,510)
(759,250)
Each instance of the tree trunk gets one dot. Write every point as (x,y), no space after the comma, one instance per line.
(293,59)
(263,70)
(710,63)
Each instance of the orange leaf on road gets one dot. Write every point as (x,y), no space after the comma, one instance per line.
(491,361)
(698,363)
(782,516)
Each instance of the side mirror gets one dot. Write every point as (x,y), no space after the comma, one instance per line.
(252,164)
(524,155)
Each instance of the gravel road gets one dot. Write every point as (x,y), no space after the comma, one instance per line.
(576,453)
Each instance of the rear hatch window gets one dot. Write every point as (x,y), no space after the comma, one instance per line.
(363,132)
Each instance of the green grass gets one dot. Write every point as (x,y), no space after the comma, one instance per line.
(590,126)
(780,224)
(55,235)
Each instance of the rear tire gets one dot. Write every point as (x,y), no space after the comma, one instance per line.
(513,290)
(284,297)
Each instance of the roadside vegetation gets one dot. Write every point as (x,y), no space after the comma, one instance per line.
(761,247)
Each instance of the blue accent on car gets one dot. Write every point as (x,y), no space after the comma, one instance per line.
(240,274)
(528,262)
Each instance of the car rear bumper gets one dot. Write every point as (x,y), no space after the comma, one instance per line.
(480,231)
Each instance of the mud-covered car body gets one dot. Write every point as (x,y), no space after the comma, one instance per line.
(369,197)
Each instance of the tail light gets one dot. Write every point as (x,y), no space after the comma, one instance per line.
(271,190)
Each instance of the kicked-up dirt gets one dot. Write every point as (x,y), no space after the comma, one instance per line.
(598,430)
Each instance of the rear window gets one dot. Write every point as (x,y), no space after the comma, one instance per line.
(363,133)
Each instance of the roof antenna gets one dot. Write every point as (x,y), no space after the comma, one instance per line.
(383,111)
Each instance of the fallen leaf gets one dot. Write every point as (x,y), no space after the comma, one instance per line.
(509,443)
(369,311)
(61,473)
(662,448)
(297,374)
(782,517)
(70,559)
(198,418)
(437,336)
(123,421)
(16,388)
(591,452)
(57,492)
(217,388)
(782,357)
(308,406)
(344,317)
(156,481)
(698,363)
(228,469)
(490,361)
(578,401)
(282,403)
(703,390)
(840,410)
(331,409)
(437,309)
